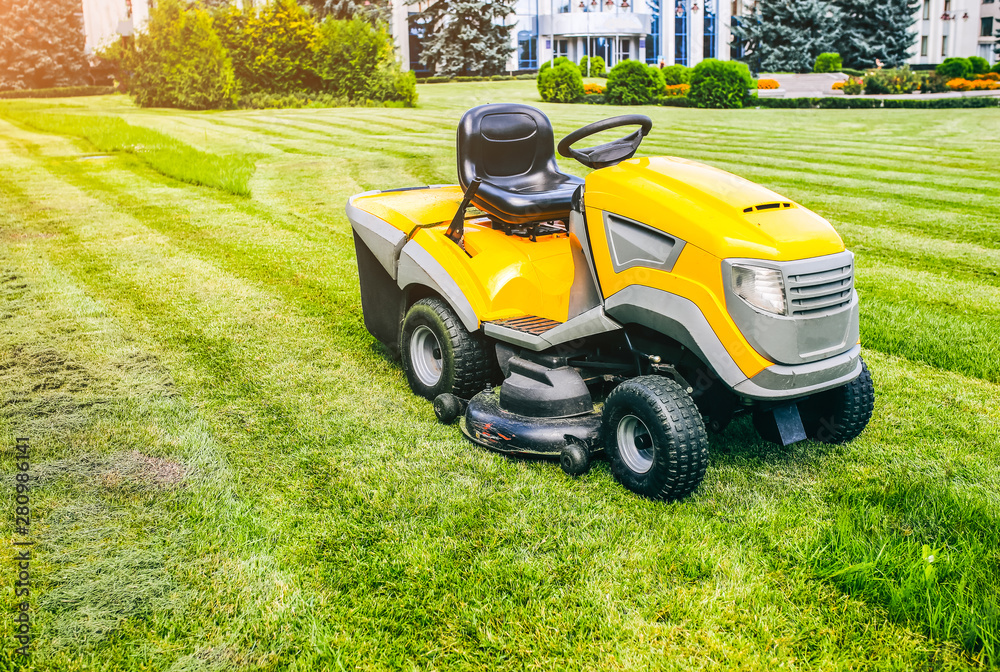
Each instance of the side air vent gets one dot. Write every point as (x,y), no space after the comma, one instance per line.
(821,292)
(634,244)
(764,207)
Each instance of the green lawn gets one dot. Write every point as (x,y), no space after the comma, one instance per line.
(231,475)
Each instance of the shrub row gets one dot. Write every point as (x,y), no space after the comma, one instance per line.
(712,83)
(873,103)
(60,92)
(463,78)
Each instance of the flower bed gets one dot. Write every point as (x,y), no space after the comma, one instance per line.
(960,84)
(765,84)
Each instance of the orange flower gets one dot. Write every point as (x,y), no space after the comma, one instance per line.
(767,84)
(676,89)
(837,86)
(591,87)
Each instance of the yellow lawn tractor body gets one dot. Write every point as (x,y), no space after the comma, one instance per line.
(664,287)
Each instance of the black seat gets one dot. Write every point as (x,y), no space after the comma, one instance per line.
(511,149)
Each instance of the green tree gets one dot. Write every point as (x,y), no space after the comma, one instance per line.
(179,61)
(41,44)
(466,37)
(372,11)
(876,30)
(787,36)
(273,49)
(357,61)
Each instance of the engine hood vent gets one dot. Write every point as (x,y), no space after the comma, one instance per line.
(764,207)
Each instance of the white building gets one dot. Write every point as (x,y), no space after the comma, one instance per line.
(106,20)
(677,31)
(955,28)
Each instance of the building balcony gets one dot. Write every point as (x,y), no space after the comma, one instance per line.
(584,24)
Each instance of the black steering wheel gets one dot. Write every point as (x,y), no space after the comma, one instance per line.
(609,153)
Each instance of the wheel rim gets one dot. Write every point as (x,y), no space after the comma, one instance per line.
(635,444)
(425,356)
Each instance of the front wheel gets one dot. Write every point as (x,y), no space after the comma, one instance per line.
(439,355)
(655,438)
(841,414)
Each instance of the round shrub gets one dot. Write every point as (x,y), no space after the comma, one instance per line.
(955,68)
(980,66)
(719,84)
(996,67)
(676,74)
(560,84)
(598,68)
(548,64)
(633,83)
(828,62)
(179,61)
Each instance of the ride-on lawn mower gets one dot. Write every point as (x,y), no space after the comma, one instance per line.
(673,294)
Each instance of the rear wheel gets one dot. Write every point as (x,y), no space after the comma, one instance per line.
(655,438)
(841,414)
(439,355)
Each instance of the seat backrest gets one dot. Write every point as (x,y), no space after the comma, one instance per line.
(506,144)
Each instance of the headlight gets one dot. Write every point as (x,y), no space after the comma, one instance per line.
(760,287)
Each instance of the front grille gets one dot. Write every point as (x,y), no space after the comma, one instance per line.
(819,292)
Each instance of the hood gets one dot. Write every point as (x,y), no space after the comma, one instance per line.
(721,213)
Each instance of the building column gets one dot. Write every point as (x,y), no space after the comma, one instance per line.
(724,20)
(401,32)
(668,23)
(696,33)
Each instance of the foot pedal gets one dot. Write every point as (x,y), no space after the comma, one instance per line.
(789,424)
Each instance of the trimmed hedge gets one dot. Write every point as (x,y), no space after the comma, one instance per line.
(59,92)
(462,78)
(876,103)
(674,101)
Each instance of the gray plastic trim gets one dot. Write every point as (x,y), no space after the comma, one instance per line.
(590,323)
(794,339)
(633,243)
(786,382)
(384,240)
(418,267)
(578,230)
(678,318)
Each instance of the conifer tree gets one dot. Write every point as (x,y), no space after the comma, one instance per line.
(876,30)
(42,44)
(786,36)
(372,11)
(467,37)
